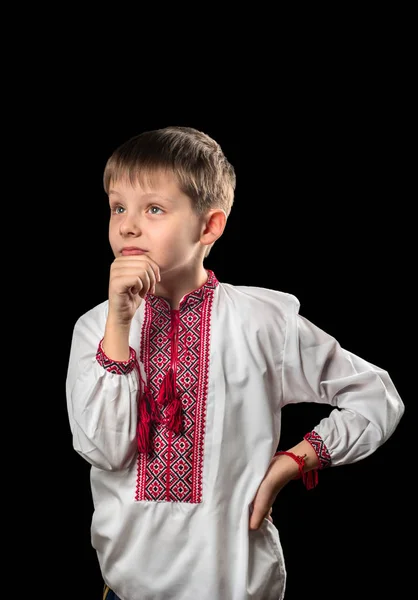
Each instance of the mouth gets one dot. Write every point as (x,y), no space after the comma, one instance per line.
(132,251)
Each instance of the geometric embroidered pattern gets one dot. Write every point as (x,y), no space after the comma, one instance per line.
(321,450)
(114,366)
(172,470)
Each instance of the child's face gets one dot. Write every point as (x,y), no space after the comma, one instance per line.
(158,219)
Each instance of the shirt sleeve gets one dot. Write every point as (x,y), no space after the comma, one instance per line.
(101,398)
(367,406)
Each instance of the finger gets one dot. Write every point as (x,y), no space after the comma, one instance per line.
(153,275)
(147,276)
(131,283)
(120,284)
(144,261)
(143,271)
(262,503)
(257,519)
(145,279)
(260,511)
(156,269)
(136,287)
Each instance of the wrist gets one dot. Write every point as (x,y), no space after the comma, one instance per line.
(288,465)
(115,322)
(306,463)
(305,449)
(115,341)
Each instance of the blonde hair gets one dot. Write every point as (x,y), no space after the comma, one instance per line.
(198,163)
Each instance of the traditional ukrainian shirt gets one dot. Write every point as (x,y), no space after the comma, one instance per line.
(181,435)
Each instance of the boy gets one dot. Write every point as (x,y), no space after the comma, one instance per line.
(176,383)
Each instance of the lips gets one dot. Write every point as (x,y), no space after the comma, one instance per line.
(133,251)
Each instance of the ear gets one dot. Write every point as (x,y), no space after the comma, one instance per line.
(213,227)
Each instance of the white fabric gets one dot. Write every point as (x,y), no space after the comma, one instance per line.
(263,355)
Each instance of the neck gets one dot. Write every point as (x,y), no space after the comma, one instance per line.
(177,283)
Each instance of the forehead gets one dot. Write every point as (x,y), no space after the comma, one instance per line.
(146,182)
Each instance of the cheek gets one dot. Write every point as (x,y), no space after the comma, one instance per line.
(113,237)
(173,236)
(174,245)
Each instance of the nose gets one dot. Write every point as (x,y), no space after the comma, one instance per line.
(130,226)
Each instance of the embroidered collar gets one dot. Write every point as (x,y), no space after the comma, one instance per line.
(190,299)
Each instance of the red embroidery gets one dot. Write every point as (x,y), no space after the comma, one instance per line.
(114,366)
(172,471)
(321,450)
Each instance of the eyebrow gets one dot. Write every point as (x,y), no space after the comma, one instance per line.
(153,194)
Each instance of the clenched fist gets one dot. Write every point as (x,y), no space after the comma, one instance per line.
(131,278)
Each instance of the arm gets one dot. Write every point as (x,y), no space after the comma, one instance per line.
(101,397)
(367,406)
(367,409)
(103,379)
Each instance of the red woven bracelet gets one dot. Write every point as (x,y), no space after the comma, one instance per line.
(310,479)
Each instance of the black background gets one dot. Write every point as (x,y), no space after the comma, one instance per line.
(323,210)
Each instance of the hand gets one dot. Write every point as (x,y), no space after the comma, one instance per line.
(131,278)
(280,472)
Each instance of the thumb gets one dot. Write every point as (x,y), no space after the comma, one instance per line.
(137,288)
(259,509)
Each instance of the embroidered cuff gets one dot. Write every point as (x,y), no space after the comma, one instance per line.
(321,450)
(115,366)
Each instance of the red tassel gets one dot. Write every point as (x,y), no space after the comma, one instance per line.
(155,411)
(144,425)
(168,396)
(148,409)
(174,415)
(310,479)
(167,391)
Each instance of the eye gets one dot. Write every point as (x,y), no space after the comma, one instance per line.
(154,210)
(117,210)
